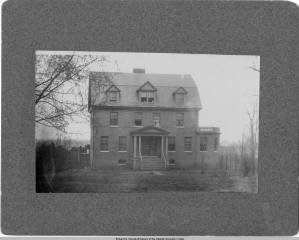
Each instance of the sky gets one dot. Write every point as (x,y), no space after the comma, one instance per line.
(228,87)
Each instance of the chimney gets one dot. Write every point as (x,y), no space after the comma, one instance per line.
(138,70)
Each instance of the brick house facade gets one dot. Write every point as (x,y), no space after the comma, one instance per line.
(148,121)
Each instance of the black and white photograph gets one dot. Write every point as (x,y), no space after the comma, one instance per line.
(113,122)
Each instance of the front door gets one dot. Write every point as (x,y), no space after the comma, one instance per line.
(151,145)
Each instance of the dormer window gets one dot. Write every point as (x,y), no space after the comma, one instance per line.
(113,94)
(180,95)
(147,97)
(147,93)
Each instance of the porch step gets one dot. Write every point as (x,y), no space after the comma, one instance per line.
(152,163)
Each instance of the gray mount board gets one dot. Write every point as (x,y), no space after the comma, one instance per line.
(268,29)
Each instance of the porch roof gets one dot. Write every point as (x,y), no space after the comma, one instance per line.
(150,130)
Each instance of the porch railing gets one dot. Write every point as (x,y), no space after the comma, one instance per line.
(164,160)
(141,160)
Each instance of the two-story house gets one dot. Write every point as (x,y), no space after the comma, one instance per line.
(148,121)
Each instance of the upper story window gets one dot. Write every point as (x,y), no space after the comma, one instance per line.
(138,118)
(113,118)
(180,119)
(180,95)
(113,94)
(203,145)
(147,93)
(156,119)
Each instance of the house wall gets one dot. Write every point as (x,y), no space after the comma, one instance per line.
(208,160)
(100,122)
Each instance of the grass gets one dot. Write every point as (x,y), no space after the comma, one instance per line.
(117,181)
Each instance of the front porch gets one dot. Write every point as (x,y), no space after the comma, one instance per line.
(150,148)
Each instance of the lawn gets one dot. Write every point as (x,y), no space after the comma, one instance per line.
(96,181)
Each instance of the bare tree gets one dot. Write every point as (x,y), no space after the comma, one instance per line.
(253,135)
(255,66)
(253,125)
(60,88)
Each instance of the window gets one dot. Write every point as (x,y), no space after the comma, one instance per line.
(203,146)
(216,143)
(114,96)
(138,118)
(122,143)
(171,144)
(188,144)
(156,119)
(113,118)
(122,161)
(171,161)
(180,119)
(180,97)
(104,143)
(147,97)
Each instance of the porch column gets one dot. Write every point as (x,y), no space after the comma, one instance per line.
(135,145)
(162,144)
(166,147)
(140,145)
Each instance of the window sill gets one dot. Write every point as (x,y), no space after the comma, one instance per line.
(137,126)
(116,126)
(180,127)
(104,151)
(172,151)
(203,151)
(122,151)
(188,151)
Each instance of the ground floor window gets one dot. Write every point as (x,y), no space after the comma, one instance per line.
(122,143)
(122,161)
(104,143)
(216,143)
(203,144)
(171,144)
(188,144)
(171,161)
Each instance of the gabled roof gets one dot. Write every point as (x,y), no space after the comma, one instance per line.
(130,83)
(113,88)
(147,87)
(150,130)
(180,90)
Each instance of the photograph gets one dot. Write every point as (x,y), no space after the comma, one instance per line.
(128,122)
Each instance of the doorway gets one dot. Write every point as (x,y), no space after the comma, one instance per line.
(151,145)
